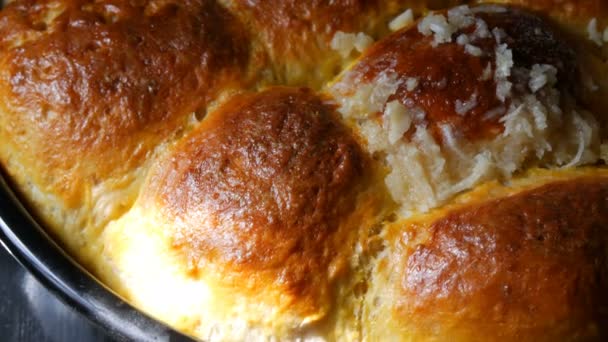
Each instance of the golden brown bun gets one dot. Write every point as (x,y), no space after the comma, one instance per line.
(526,262)
(101,76)
(88,92)
(445,182)
(259,202)
(261,193)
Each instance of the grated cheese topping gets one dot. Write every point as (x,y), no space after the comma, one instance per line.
(541,75)
(504,63)
(436,25)
(405,19)
(593,33)
(462,39)
(473,50)
(584,134)
(411,83)
(481,29)
(463,107)
(499,34)
(345,43)
(487,73)
(397,120)
(461,16)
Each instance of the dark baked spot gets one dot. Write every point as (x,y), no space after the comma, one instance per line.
(534,40)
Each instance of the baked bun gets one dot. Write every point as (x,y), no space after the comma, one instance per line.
(91,90)
(450,104)
(524,262)
(258,204)
(343,170)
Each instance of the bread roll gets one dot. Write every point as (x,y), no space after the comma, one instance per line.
(336,171)
(90,91)
(524,262)
(257,203)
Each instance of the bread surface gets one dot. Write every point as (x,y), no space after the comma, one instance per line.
(322,170)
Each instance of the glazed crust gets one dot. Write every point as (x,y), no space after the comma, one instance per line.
(261,192)
(529,266)
(108,81)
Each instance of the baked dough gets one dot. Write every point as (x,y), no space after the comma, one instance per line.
(342,170)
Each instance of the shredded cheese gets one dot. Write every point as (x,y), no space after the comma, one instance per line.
(345,43)
(504,63)
(593,33)
(473,50)
(436,25)
(411,83)
(541,75)
(404,19)
(397,120)
(461,16)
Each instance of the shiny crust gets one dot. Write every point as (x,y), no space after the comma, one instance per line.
(531,266)
(107,82)
(261,192)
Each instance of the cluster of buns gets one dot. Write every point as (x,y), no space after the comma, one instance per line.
(321,170)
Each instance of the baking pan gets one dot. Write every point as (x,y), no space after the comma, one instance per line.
(33,248)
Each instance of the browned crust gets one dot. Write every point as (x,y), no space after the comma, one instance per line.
(530,266)
(262,191)
(91,92)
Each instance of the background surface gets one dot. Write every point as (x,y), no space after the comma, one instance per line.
(30,313)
